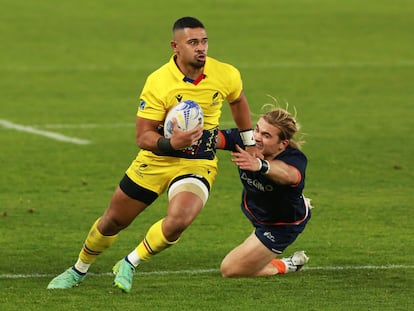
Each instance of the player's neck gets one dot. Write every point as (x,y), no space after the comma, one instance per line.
(190,71)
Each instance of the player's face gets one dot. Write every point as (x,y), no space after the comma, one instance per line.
(268,140)
(190,45)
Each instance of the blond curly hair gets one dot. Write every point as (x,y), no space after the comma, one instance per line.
(285,122)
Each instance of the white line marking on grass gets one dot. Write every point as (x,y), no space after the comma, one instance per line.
(389,267)
(86,125)
(32,130)
(37,275)
(204,271)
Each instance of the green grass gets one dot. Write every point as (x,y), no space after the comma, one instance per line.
(347,66)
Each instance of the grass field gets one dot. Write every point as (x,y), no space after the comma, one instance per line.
(76,68)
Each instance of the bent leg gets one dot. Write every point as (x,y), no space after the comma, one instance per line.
(120,213)
(249,259)
(182,210)
(186,199)
(153,243)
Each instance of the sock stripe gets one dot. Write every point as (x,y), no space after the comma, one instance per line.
(280,266)
(89,251)
(148,246)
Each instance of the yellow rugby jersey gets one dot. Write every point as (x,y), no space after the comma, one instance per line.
(168,86)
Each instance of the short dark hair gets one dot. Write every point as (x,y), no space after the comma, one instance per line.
(187,22)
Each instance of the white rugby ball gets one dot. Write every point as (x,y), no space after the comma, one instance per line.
(188,115)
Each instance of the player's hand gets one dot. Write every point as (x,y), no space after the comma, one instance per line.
(254,151)
(244,160)
(182,139)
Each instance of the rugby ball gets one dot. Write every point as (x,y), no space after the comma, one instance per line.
(188,115)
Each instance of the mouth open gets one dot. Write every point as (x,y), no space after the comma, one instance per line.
(201,57)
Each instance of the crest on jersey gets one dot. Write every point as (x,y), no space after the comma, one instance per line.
(215,99)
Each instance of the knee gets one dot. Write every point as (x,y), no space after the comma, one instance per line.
(225,272)
(173,228)
(227,269)
(176,223)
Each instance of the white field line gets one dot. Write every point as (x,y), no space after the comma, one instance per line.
(32,130)
(85,125)
(205,271)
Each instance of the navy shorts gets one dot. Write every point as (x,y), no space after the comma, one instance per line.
(278,238)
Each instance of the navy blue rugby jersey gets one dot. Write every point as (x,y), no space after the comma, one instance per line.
(266,202)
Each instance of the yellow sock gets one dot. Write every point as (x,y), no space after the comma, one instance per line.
(95,244)
(154,242)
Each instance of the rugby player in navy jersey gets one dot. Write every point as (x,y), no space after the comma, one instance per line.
(272,197)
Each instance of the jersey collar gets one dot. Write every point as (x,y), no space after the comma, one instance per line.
(179,75)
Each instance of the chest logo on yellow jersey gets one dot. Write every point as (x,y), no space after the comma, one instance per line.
(179,97)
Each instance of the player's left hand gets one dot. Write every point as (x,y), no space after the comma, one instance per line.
(244,160)
(254,151)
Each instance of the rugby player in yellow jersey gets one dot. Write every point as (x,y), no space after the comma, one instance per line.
(184,165)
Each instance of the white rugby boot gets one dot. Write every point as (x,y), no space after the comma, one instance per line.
(296,261)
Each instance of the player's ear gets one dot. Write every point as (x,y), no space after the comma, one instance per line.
(173,45)
(285,143)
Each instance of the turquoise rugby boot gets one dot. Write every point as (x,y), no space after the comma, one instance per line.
(68,279)
(124,273)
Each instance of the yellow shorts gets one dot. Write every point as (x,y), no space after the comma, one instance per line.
(155,173)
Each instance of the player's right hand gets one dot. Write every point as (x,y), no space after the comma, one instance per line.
(182,139)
